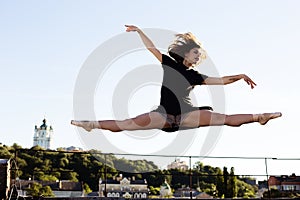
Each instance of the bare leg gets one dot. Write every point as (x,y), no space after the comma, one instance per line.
(152,120)
(208,118)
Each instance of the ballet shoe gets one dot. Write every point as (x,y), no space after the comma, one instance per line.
(86,125)
(264,118)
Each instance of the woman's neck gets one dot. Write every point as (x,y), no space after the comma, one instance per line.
(186,64)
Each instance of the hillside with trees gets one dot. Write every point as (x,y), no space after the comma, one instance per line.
(88,167)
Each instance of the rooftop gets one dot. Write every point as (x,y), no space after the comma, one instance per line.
(4,161)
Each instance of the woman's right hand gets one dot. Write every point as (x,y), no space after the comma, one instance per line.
(147,42)
(131,28)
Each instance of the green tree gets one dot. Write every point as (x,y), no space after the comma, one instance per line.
(86,188)
(154,190)
(220,183)
(37,190)
(208,188)
(15,146)
(225,185)
(4,152)
(48,178)
(245,190)
(232,184)
(69,175)
(125,165)
(158,177)
(180,178)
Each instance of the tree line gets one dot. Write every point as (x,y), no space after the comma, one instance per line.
(88,167)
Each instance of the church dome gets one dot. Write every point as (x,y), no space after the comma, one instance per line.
(44,125)
(43,135)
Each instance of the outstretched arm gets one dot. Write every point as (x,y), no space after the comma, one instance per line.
(229,79)
(147,42)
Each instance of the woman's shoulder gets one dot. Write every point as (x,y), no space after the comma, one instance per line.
(167,60)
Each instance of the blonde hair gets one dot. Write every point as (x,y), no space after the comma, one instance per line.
(182,44)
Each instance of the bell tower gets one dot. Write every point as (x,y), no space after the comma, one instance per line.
(43,135)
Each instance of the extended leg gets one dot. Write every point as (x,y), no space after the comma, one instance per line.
(208,118)
(152,120)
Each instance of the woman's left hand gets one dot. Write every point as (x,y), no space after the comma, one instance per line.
(249,81)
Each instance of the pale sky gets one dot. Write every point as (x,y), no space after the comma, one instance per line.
(43,45)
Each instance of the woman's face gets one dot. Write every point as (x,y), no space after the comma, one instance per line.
(193,56)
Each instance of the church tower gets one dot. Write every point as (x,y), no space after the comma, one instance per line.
(43,135)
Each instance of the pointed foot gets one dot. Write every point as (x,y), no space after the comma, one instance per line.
(86,125)
(264,118)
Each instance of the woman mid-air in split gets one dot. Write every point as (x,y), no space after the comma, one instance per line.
(175,111)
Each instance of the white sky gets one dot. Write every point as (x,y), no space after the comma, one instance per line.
(43,45)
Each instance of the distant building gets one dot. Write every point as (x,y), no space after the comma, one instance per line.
(43,135)
(187,192)
(124,187)
(4,178)
(71,148)
(250,181)
(177,164)
(68,189)
(262,184)
(63,188)
(285,183)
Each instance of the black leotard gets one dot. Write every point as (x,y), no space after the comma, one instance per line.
(178,82)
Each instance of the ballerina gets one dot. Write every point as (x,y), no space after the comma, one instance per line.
(176,110)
